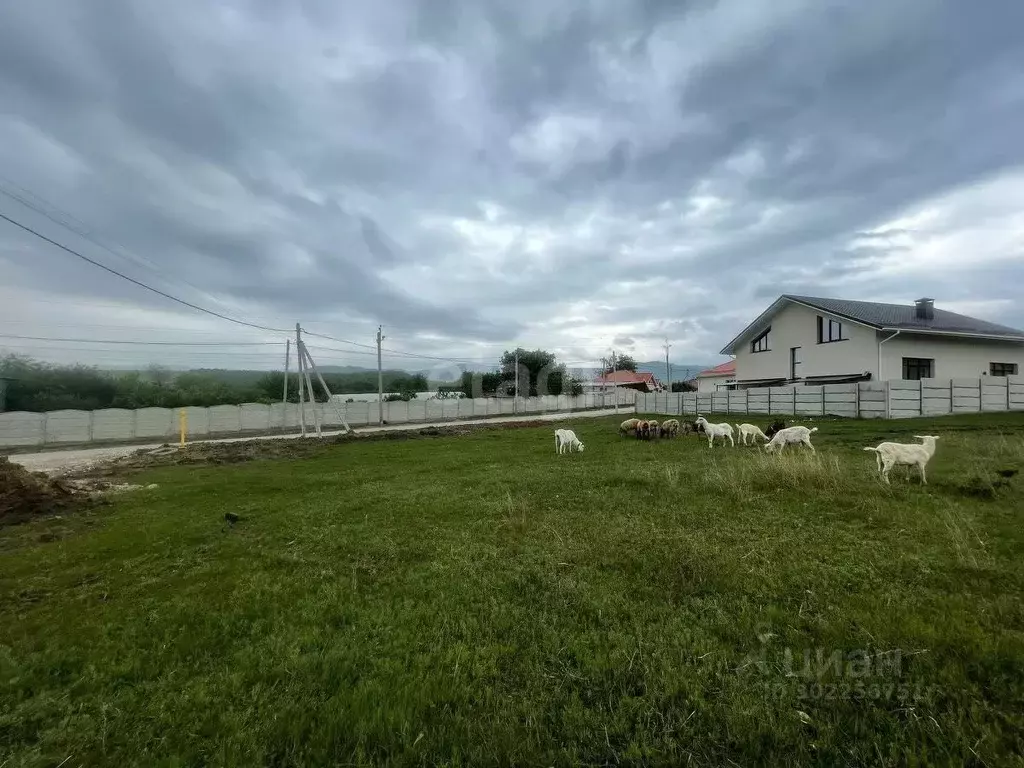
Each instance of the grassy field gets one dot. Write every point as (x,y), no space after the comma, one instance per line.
(476,600)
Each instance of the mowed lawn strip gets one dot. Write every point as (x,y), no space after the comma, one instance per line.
(478,600)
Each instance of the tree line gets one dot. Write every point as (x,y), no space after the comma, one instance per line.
(33,385)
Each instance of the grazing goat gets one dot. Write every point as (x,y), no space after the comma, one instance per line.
(715,430)
(652,429)
(566,440)
(752,431)
(642,430)
(629,425)
(887,455)
(784,437)
(776,425)
(669,428)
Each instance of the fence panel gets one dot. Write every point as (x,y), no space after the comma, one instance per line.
(396,412)
(197,421)
(68,426)
(936,397)
(254,417)
(21,428)
(756,400)
(356,414)
(1016,393)
(993,395)
(114,424)
(783,400)
(162,422)
(871,399)
(966,395)
(840,400)
(278,416)
(904,399)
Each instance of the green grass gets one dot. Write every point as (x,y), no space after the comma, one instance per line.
(477,600)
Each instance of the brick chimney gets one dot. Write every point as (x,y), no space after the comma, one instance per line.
(924,309)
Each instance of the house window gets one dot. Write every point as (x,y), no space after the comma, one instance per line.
(1002,369)
(829,330)
(915,368)
(794,362)
(762,342)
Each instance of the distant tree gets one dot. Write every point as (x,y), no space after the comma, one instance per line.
(159,375)
(539,374)
(449,392)
(622,363)
(684,386)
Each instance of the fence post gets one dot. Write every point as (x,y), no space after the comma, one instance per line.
(951,403)
(981,403)
(856,399)
(888,410)
(92,413)
(920,397)
(822,399)
(1007,380)
(135,422)
(769,401)
(794,401)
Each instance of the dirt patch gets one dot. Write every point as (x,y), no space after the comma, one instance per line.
(242,451)
(28,495)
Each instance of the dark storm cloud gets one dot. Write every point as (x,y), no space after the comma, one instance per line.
(466,169)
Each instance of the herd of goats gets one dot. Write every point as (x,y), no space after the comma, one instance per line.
(776,437)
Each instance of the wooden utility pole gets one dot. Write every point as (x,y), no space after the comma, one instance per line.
(310,364)
(299,364)
(668,368)
(380,379)
(515,392)
(615,390)
(287,363)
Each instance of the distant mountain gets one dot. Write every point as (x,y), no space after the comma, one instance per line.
(345,369)
(680,371)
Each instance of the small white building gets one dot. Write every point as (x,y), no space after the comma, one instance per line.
(720,377)
(808,340)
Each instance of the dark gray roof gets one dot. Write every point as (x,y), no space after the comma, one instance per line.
(903,317)
(885,316)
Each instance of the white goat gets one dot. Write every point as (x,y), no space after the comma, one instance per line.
(797,434)
(887,455)
(751,430)
(566,440)
(716,430)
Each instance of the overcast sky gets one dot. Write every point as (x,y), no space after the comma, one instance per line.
(568,175)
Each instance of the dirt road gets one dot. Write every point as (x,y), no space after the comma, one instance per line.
(61,461)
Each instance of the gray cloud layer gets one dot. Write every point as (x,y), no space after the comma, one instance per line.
(570,175)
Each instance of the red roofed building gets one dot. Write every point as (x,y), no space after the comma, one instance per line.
(720,377)
(642,382)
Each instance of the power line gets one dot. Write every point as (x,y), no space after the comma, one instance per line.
(395,351)
(150,343)
(139,283)
(86,232)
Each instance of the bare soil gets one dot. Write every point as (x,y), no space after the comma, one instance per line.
(28,495)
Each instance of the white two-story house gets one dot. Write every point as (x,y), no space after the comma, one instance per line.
(807,340)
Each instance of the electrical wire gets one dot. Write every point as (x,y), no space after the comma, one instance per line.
(86,232)
(139,283)
(151,343)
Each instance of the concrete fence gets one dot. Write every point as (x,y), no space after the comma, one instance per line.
(895,399)
(22,429)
